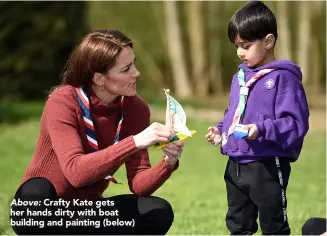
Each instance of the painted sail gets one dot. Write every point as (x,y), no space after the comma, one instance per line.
(175,115)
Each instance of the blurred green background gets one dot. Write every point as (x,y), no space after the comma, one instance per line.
(179,45)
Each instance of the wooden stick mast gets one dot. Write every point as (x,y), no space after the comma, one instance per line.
(169,116)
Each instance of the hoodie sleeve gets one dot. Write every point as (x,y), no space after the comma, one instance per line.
(291,111)
(220,126)
(221,123)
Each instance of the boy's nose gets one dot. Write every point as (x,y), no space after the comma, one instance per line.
(240,53)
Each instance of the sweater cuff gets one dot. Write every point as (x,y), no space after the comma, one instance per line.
(163,168)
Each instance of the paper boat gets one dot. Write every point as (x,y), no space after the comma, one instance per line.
(176,118)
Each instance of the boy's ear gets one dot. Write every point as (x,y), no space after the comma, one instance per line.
(98,79)
(270,41)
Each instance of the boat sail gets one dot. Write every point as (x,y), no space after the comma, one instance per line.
(176,118)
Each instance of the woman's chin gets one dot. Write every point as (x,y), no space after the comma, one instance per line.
(131,91)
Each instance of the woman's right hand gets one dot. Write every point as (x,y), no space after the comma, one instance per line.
(156,132)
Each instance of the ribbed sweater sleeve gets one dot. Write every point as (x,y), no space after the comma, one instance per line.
(80,169)
(143,179)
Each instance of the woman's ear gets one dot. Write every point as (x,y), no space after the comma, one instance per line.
(270,41)
(98,79)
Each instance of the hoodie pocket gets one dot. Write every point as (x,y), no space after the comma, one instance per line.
(243,145)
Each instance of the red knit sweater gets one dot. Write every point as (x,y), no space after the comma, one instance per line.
(63,156)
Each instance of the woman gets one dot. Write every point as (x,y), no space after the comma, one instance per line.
(95,107)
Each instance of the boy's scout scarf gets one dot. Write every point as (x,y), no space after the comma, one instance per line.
(244,91)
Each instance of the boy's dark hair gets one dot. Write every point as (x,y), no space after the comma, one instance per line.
(253,21)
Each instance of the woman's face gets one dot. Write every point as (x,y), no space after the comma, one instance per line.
(121,79)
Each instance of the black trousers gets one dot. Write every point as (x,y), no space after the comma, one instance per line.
(257,188)
(136,215)
(314,226)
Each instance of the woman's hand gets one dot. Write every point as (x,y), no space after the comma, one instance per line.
(173,152)
(156,132)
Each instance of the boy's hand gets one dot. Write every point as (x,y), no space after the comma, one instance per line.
(213,136)
(253,131)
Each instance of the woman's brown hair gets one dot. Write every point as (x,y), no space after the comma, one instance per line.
(97,52)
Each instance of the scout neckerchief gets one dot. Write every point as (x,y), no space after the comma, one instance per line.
(244,91)
(84,103)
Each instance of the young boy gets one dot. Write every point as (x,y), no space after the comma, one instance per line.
(263,128)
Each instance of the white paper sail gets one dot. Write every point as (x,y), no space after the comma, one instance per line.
(175,115)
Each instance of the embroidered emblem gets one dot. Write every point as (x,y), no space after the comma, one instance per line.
(269,84)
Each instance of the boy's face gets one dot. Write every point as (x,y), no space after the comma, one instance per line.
(252,54)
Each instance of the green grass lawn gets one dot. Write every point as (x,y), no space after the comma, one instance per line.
(196,190)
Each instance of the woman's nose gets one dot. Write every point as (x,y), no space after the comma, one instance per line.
(136,73)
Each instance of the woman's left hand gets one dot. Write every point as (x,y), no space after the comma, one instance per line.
(173,152)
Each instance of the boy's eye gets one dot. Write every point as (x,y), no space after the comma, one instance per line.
(246,46)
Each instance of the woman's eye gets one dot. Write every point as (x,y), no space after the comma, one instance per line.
(127,69)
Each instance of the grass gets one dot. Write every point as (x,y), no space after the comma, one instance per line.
(15,112)
(196,190)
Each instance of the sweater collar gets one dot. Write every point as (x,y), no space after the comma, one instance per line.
(99,107)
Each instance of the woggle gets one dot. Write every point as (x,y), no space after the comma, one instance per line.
(239,132)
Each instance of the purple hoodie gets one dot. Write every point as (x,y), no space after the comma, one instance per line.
(278,106)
